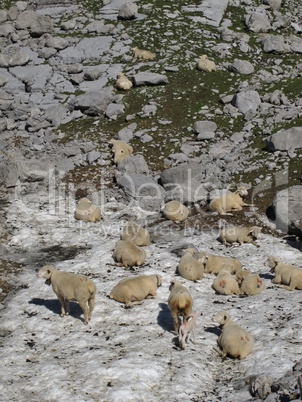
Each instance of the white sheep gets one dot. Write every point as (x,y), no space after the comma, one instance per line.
(214,263)
(288,275)
(175,211)
(230,202)
(121,150)
(226,284)
(250,284)
(135,289)
(70,287)
(233,340)
(135,233)
(86,211)
(142,54)
(204,64)
(240,234)
(123,82)
(187,329)
(189,267)
(128,254)
(180,303)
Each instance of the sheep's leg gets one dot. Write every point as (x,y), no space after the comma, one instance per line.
(175,322)
(67,307)
(84,307)
(277,279)
(62,301)
(292,286)
(91,307)
(193,337)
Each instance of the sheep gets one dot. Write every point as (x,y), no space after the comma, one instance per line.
(121,150)
(250,284)
(186,328)
(175,211)
(133,290)
(123,82)
(240,234)
(233,340)
(135,233)
(204,64)
(189,267)
(288,275)
(230,202)
(214,263)
(226,284)
(70,287)
(180,303)
(141,54)
(128,254)
(86,211)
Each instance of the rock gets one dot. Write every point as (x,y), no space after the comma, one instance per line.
(247,101)
(93,156)
(274,4)
(128,11)
(275,44)
(241,67)
(114,110)
(285,140)
(205,130)
(258,22)
(134,164)
(93,103)
(127,133)
(147,78)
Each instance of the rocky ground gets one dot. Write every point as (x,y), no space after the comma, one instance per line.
(192,133)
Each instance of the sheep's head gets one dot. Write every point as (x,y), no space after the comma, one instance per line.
(255,231)
(242,191)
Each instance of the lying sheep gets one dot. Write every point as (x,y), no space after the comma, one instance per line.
(225,284)
(133,290)
(175,211)
(86,211)
(288,275)
(240,234)
(204,64)
(189,267)
(214,263)
(135,233)
(180,303)
(250,284)
(187,329)
(121,150)
(141,54)
(128,254)
(233,340)
(70,287)
(123,82)
(230,202)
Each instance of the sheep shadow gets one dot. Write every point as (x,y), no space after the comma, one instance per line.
(267,275)
(54,306)
(164,318)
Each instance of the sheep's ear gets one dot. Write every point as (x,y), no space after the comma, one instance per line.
(225,317)
(48,271)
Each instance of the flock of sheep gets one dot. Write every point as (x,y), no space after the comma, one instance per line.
(230,277)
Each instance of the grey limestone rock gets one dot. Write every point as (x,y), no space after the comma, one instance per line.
(241,67)
(285,140)
(134,164)
(93,103)
(246,101)
(205,130)
(128,11)
(147,78)
(258,22)
(275,44)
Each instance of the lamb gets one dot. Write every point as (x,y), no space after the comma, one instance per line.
(128,254)
(121,150)
(141,54)
(240,234)
(226,284)
(204,64)
(189,267)
(175,211)
(135,233)
(186,329)
(86,211)
(135,289)
(250,284)
(214,263)
(233,340)
(288,275)
(180,303)
(70,287)
(230,202)
(123,82)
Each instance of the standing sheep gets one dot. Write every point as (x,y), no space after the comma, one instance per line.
(230,202)
(250,284)
(175,211)
(123,82)
(189,267)
(70,287)
(86,211)
(180,303)
(286,274)
(225,284)
(135,233)
(121,150)
(135,289)
(240,234)
(204,64)
(233,340)
(186,329)
(141,54)
(214,263)
(128,254)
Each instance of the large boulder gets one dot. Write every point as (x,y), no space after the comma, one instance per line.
(93,103)
(285,140)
